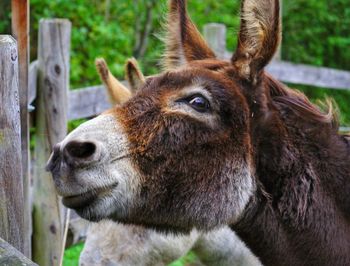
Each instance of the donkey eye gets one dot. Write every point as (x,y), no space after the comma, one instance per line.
(199,103)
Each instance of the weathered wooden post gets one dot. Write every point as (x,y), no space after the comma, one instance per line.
(215,35)
(10,256)
(51,127)
(11,185)
(20,31)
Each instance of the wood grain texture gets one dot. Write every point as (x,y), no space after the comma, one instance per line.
(10,256)
(51,127)
(20,31)
(11,186)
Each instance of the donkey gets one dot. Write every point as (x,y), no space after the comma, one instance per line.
(109,243)
(210,143)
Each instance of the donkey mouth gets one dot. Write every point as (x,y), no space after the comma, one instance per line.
(82,200)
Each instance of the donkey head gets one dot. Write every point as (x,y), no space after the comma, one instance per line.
(178,154)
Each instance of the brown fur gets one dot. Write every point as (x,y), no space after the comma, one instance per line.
(297,151)
(261,158)
(259,37)
(183,41)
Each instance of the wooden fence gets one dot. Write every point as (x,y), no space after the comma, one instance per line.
(55,105)
(11,183)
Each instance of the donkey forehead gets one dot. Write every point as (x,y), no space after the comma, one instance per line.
(206,74)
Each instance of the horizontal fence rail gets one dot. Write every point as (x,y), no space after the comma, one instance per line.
(88,102)
(309,75)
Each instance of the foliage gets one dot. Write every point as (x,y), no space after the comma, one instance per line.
(71,255)
(5,17)
(318,33)
(93,36)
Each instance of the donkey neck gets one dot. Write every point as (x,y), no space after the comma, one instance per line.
(300,213)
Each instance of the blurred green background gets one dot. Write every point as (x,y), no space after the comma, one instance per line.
(315,32)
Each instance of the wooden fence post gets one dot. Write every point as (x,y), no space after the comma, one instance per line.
(11,256)
(11,184)
(20,31)
(51,127)
(215,35)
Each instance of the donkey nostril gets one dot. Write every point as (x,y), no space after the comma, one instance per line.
(80,150)
(53,162)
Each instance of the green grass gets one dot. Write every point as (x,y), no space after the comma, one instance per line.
(71,257)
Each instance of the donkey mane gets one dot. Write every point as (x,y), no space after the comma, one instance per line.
(299,104)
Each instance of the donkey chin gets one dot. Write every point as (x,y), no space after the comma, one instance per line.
(92,170)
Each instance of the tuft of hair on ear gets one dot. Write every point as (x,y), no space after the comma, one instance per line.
(133,74)
(102,69)
(117,92)
(183,41)
(259,37)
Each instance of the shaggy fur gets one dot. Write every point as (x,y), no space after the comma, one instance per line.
(258,157)
(113,244)
(110,243)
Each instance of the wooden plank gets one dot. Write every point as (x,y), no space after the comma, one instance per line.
(11,256)
(51,127)
(309,75)
(87,102)
(322,77)
(11,183)
(20,31)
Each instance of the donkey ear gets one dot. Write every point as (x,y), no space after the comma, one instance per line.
(183,41)
(117,92)
(134,75)
(259,37)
